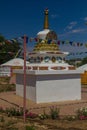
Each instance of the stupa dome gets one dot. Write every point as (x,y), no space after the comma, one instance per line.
(47,38)
(43,34)
(47,34)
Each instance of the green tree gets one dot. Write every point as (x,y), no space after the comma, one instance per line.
(2,39)
(8,50)
(84,61)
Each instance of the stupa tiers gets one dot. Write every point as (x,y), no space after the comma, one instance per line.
(46,54)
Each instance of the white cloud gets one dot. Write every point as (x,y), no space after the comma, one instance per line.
(71,25)
(54,16)
(85,19)
(78,30)
(74,31)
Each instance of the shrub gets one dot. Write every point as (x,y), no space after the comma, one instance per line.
(29,128)
(7,87)
(14,111)
(31,115)
(54,112)
(43,115)
(70,118)
(82,113)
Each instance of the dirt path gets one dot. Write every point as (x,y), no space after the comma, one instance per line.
(9,99)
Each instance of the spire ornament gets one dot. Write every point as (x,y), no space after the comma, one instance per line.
(46,23)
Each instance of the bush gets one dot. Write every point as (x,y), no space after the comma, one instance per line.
(82,113)
(29,128)
(54,112)
(14,111)
(43,115)
(7,87)
(70,118)
(4,79)
(31,115)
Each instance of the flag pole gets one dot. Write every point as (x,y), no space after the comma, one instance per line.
(24,97)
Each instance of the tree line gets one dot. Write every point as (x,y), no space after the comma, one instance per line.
(8,50)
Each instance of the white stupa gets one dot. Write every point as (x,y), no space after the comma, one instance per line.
(46,54)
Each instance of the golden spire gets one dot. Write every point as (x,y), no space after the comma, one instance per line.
(46,24)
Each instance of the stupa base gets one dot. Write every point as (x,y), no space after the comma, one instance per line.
(49,86)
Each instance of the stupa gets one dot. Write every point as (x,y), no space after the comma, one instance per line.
(46,77)
(46,54)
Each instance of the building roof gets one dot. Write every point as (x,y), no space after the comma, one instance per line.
(83,67)
(14,62)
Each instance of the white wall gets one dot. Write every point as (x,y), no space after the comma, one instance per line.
(30,92)
(43,86)
(58,90)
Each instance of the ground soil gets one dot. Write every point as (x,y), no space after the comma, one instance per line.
(10,99)
(47,124)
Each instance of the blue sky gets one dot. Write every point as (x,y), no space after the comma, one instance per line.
(66,17)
